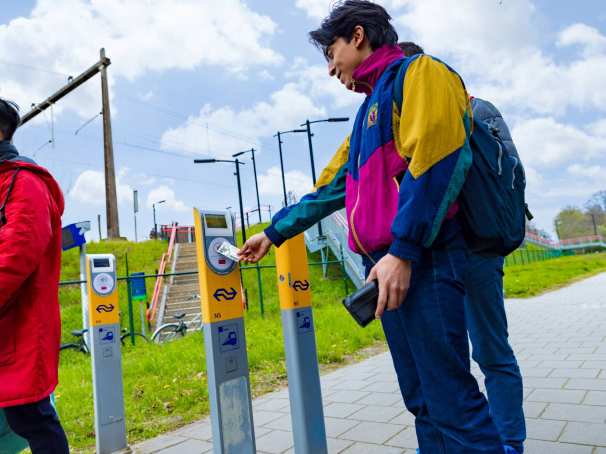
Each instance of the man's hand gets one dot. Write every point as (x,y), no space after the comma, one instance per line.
(393,275)
(255,248)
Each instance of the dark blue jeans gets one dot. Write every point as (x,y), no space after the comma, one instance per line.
(427,338)
(39,424)
(487,325)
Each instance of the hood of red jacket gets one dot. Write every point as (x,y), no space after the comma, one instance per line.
(51,183)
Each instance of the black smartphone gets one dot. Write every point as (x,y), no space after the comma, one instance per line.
(362,304)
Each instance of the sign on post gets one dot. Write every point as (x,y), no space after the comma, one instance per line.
(104,321)
(224,338)
(294,289)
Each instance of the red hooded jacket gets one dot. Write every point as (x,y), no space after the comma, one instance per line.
(30,265)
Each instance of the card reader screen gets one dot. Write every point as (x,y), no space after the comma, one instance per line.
(215,221)
(101,263)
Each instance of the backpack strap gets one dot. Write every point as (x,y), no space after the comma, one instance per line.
(398,86)
(8,194)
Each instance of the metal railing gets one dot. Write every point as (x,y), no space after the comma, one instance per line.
(151,312)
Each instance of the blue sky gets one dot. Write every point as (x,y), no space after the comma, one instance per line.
(197,78)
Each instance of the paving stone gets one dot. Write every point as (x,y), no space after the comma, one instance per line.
(594,365)
(375,413)
(276,441)
(407,438)
(200,431)
(560,364)
(551,383)
(528,372)
(585,433)
(340,410)
(273,405)
(404,419)
(595,398)
(571,412)
(592,384)
(548,447)
(534,409)
(158,443)
(261,417)
(189,447)
(575,373)
(542,429)
(354,385)
(347,396)
(337,426)
(371,432)
(336,445)
(365,448)
(385,399)
(571,396)
(383,387)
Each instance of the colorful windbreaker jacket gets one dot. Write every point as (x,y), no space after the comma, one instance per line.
(402,168)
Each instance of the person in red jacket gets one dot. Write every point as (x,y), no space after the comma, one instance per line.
(31,205)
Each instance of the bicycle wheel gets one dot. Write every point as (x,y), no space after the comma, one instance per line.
(70,346)
(125,338)
(166,333)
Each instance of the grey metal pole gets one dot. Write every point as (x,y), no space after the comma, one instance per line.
(282,168)
(240,201)
(155,224)
(256,183)
(84,295)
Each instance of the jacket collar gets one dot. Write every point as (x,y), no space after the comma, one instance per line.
(7,151)
(370,70)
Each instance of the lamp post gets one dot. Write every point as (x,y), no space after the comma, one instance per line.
(252,151)
(238,163)
(279,135)
(155,223)
(307,125)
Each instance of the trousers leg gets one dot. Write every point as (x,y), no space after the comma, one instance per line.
(39,424)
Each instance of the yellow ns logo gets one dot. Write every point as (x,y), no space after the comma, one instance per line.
(373,115)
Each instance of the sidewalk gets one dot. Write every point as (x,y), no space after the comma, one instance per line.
(560,342)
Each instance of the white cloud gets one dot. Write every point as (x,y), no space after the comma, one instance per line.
(89,188)
(140,36)
(316,9)
(163,192)
(270,183)
(285,109)
(545,143)
(592,171)
(588,37)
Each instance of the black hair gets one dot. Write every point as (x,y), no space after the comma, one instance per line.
(348,14)
(9,118)
(409,48)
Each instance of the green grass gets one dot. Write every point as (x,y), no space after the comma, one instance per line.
(165,386)
(538,277)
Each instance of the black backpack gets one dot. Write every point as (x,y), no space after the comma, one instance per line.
(492,202)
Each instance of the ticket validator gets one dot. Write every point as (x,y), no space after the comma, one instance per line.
(224,338)
(104,326)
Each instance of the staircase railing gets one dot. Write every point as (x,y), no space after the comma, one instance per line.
(151,312)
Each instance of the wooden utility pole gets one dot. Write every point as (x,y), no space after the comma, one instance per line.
(111,200)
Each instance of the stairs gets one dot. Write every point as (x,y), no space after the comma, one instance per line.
(183,295)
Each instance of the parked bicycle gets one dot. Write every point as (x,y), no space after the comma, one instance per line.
(80,344)
(125,337)
(169,331)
